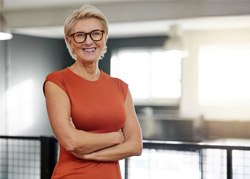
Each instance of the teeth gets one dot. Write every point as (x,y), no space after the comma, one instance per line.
(89,49)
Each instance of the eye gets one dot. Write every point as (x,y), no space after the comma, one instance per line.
(80,35)
(96,33)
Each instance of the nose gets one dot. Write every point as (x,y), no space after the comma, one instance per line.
(88,40)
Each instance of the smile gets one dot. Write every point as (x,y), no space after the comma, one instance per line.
(89,49)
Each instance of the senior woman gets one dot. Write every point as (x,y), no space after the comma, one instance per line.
(91,113)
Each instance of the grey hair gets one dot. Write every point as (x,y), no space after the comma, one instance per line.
(85,11)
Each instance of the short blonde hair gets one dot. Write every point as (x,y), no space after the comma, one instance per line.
(85,11)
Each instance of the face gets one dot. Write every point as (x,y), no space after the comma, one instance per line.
(89,50)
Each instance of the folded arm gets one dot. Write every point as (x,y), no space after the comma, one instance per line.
(132,144)
(72,139)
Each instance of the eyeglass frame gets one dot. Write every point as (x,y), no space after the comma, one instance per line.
(87,34)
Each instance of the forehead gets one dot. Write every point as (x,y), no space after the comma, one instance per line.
(87,25)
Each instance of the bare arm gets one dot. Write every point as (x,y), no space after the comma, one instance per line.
(58,107)
(132,144)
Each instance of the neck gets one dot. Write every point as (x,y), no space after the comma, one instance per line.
(89,72)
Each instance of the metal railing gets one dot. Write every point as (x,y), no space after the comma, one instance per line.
(35,158)
(190,160)
(27,157)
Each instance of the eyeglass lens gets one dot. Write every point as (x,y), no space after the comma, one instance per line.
(95,35)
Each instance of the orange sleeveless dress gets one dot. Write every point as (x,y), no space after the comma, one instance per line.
(96,106)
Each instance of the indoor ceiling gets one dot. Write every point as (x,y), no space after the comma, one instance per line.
(128,17)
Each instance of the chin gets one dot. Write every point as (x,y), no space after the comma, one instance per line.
(89,60)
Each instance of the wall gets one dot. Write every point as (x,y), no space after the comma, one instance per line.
(189,106)
(215,122)
(30,60)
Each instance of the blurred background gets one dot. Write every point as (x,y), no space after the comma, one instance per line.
(205,83)
(186,62)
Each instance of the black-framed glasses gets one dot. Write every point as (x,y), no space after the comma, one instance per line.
(80,37)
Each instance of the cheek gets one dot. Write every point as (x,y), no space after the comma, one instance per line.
(102,43)
(75,46)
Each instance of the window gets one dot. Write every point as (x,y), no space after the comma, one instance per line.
(224,75)
(153,75)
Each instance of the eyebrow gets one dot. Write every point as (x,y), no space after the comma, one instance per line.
(87,32)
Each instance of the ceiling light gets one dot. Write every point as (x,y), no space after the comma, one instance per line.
(4,32)
(174,42)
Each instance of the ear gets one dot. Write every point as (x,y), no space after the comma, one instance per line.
(69,40)
(106,37)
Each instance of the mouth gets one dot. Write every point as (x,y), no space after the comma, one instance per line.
(89,49)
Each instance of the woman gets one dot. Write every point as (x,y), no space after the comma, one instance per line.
(91,114)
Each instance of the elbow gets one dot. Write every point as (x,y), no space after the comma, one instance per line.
(74,146)
(69,145)
(137,149)
(68,142)
(135,146)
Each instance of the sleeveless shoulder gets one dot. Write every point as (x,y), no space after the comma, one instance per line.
(57,77)
(122,86)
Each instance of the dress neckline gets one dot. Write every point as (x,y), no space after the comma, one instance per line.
(84,79)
